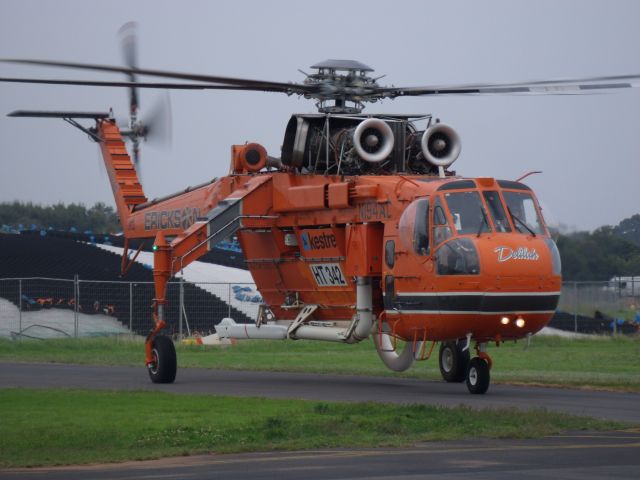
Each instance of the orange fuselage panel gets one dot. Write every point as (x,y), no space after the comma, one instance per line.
(311,254)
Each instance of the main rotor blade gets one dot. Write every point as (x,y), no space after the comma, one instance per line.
(161,85)
(292,88)
(548,87)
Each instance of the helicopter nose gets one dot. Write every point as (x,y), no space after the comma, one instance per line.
(517,257)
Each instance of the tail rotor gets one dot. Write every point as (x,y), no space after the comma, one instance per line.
(154,127)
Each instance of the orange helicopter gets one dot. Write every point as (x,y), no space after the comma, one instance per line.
(358,229)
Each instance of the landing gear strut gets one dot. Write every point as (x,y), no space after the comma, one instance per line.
(453,361)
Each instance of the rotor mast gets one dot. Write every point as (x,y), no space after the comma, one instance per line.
(343,86)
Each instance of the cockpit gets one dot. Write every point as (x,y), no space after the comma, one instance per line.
(449,223)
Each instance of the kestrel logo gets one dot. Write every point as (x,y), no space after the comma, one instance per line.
(305,241)
(318,241)
(520,253)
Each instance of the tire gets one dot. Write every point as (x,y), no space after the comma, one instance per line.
(478,376)
(453,362)
(165,367)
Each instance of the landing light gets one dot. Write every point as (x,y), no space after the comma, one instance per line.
(520,322)
(504,320)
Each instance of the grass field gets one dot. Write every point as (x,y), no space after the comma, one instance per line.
(56,427)
(601,362)
(67,427)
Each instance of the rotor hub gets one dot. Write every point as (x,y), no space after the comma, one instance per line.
(341,82)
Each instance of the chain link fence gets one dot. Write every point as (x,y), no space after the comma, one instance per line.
(52,308)
(606,306)
(49,308)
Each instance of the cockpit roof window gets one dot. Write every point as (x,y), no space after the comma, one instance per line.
(513,185)
(457,185)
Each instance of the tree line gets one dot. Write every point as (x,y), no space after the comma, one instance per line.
(99,218)
(606,252)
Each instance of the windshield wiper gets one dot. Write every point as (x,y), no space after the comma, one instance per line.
(524,224)
(483,223)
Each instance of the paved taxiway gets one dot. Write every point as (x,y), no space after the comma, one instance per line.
(581,456)
(609,405)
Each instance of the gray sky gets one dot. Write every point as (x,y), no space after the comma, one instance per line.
(587,146)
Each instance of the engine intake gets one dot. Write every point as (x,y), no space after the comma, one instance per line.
(440,145)
(373,140)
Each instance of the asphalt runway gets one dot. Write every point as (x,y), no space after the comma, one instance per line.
(581,456)
(608,405)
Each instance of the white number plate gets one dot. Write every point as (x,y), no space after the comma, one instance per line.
(328,274)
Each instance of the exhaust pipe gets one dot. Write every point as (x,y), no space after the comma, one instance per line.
(360,326)
(389,355)
(364,310)
(228,328)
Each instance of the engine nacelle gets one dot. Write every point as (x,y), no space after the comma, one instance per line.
(440,145)
(359,145)
(373,140)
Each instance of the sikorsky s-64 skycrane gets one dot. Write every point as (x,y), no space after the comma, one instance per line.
(357,229)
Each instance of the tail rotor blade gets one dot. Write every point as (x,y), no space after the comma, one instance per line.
(157,124)
(136,159)
(129,46)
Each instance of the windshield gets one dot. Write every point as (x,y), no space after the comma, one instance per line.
(467,212)
(523,212)
(497,211)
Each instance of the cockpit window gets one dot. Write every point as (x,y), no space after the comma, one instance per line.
(496,209)
(441,229)
(414,226)
(457,257)
(467,212)
(439,218)
(523,212)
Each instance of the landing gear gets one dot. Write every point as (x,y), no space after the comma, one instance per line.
(164,365)
(478,376)
(453,361)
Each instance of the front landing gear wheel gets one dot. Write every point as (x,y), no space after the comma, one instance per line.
(453,362)
(478,376)
(164,366)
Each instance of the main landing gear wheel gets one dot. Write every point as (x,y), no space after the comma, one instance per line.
(453,362)
(164,366)
(478,376)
